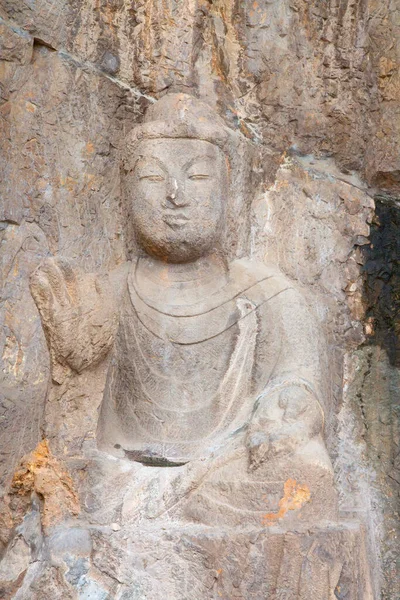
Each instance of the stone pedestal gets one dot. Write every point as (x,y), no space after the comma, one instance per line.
(195,562)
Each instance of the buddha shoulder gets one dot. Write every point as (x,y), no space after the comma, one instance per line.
(259,282)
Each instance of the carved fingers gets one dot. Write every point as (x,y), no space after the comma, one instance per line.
(263,446)
(78,313)
(286,421)
(288,440)
(53,287)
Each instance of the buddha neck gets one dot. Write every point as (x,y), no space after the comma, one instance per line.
(182,283)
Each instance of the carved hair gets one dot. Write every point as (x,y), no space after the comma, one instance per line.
(183,116)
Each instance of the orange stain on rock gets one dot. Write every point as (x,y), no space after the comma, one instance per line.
(30,107)
(282,184)
(89,148)
(41,472)
(68,182)
(294,496)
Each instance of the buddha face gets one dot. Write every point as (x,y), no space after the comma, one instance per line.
(178,190)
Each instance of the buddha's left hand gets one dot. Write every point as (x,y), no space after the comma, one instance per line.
(284,422)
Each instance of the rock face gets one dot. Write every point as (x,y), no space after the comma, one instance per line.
(199,382)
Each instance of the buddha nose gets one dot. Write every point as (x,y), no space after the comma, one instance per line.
(175,194)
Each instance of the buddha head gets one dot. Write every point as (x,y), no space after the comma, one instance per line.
(177,180)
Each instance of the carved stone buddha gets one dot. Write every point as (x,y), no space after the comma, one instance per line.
(215,361)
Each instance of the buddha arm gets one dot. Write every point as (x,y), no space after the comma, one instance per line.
(288,412)
(78,313)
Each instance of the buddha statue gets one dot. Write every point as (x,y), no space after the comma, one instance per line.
(214,368)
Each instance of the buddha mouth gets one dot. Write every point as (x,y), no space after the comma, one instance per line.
(175,220)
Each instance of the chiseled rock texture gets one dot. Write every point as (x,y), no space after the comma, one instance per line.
(315,86)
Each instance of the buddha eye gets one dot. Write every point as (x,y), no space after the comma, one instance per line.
(198,176)
(152,177)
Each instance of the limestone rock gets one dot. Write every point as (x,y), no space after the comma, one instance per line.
(307,95)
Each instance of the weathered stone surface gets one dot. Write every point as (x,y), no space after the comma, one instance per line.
(245,447)
(313,90)
(197,562)
(24,358)
(245,426)
(377,393)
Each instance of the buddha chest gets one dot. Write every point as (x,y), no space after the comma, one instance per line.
(175,383)
(182,375)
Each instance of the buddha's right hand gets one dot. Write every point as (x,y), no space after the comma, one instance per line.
(77,313)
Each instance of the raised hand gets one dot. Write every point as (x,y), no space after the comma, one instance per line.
(77,312)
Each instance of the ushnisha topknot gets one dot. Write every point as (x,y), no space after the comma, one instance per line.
(181,116)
